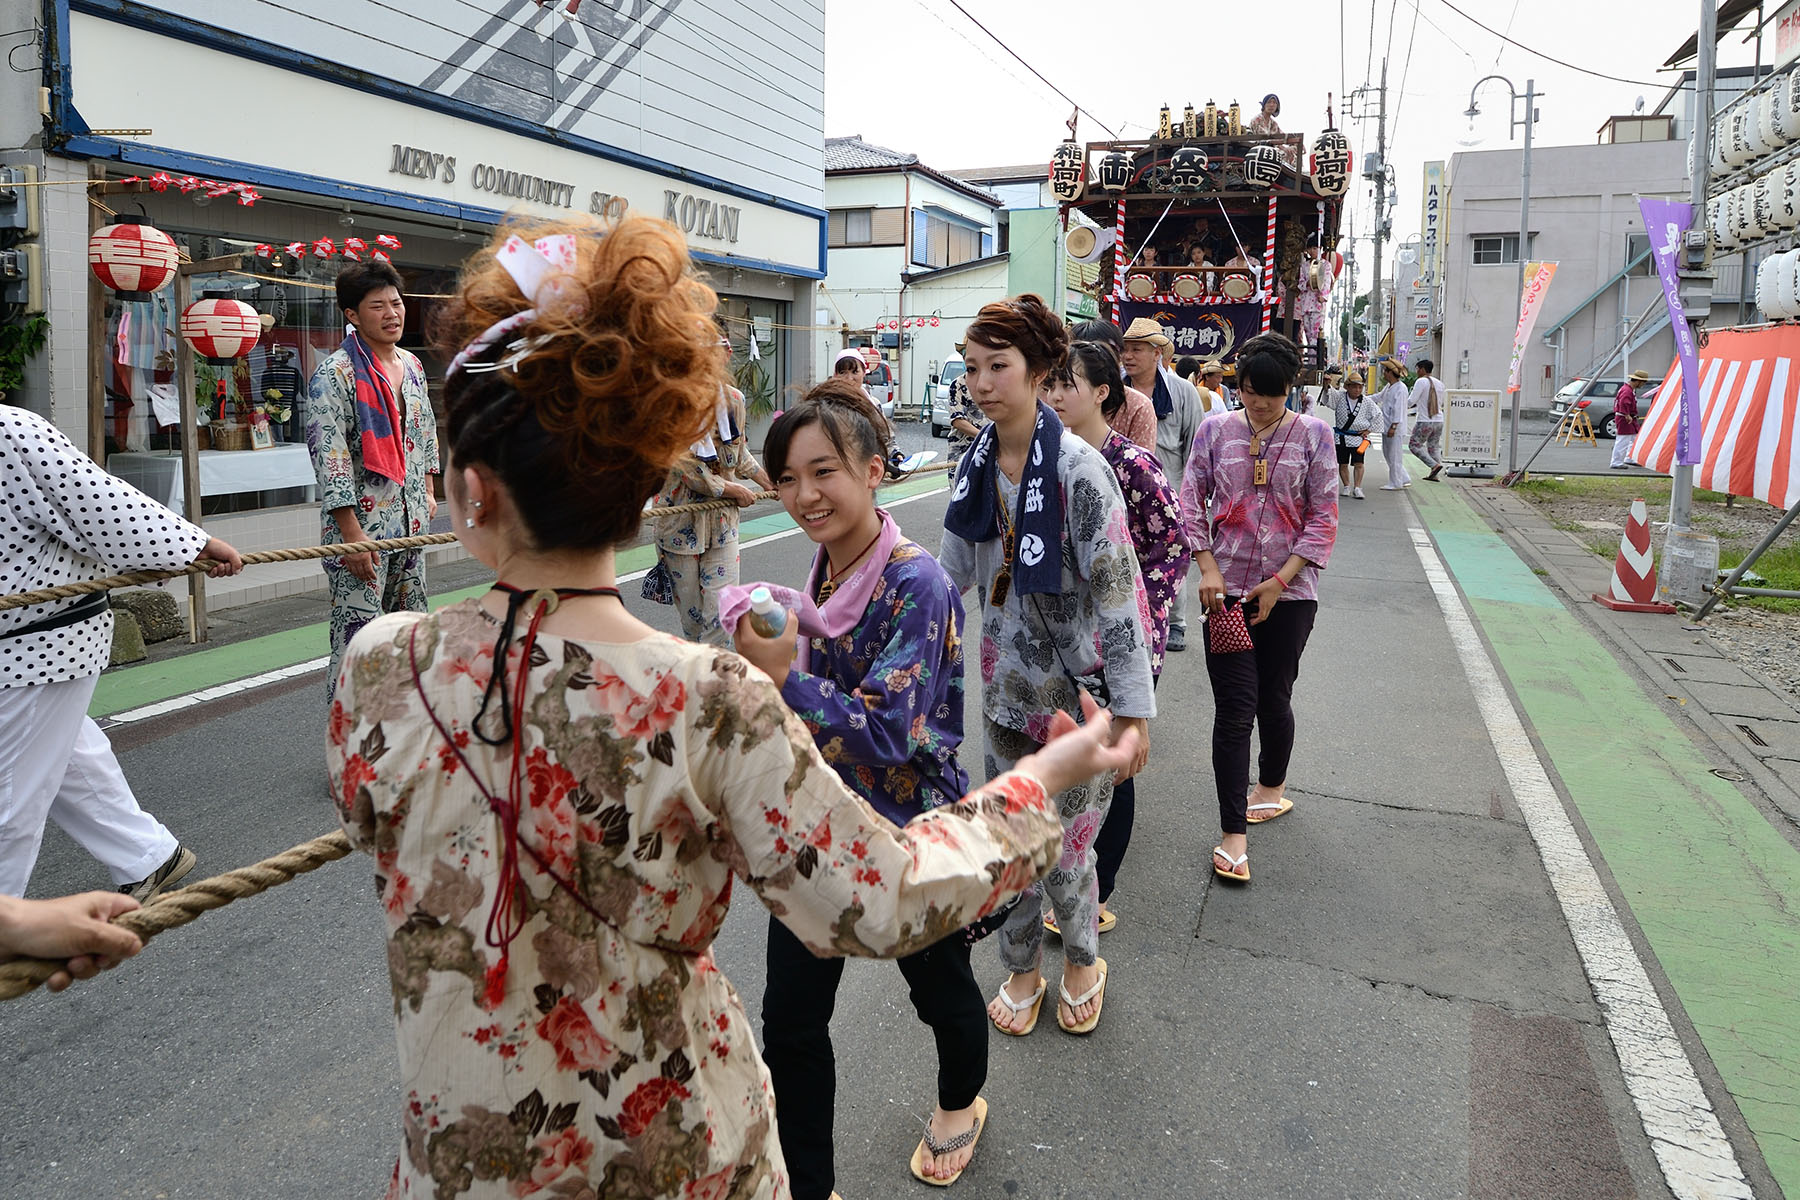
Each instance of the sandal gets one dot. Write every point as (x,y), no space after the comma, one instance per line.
(1074,1002)
(1281,806)
(1034,1003)
(1108,919)
(1240,866)
(968,1137)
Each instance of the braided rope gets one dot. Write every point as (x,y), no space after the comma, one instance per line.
(176,908)
(336,550)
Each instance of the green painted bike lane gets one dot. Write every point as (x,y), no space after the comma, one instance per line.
(1712,885)
(133,687)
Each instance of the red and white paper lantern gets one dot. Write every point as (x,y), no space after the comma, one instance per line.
(221,330)
(133,260)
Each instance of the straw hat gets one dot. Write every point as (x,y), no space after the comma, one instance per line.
(1211,366)
(1638,377)
(1393,367)
(1146,330)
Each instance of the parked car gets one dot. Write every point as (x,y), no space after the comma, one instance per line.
(1595,397)
(878,381)
(940,396)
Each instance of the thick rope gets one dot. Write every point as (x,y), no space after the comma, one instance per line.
(178,907)
(336,550)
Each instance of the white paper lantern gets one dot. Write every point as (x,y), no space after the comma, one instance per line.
(1768,116)
(1787,117)
(1721,143)
(1737,149)
(1760,145)
(1739,207)
(1721,223)
(1787,296)
(1762,206)
(1787,195)
(1768,288)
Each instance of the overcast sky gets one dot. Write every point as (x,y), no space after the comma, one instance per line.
(918,76)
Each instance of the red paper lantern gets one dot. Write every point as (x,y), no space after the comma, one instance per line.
(133,260)
(221,330)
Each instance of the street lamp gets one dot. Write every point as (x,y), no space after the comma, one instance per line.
(1528,120)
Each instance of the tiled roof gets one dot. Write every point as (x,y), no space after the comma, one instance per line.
(854,154)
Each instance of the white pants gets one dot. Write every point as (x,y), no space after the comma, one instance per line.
(1622,445)
(1394,450)
(56,765)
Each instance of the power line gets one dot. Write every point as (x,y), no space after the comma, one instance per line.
(957,5)
(1548,57)
(1400,96)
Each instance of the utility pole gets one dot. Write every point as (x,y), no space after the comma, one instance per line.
(1681,496)
(1512,453)
(1375,312)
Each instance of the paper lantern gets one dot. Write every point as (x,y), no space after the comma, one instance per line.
(220,330)
(1787,300)
(1738,150)
(1768,117)
(1754,137)
(1721,142)
(1768,287)
(1786,183)
(1115,171)
(1741,229)
(132,260)
(1068,172)
(1187,169)
(1262,166)
(1787,109)
(1762,207)
(1331,160)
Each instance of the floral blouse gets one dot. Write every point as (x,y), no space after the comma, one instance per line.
(885,701)
(1099,625)
(1153,515)
(1251,530)
(612,1058)
(691,482)
(385,509)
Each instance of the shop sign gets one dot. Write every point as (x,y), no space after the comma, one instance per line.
(1787,34)
(1471,426)
(1431,226)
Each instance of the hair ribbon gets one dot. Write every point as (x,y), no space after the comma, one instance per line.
(540,269)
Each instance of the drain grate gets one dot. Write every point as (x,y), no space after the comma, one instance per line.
(1752,735)
(1675,666)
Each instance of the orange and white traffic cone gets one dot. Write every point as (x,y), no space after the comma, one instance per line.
(1634,572)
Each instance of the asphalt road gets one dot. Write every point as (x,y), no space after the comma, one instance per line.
(1394,1008)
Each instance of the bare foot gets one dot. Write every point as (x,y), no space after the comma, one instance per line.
(1075,981)
(1262,795)
(1019,988)
(944,1126)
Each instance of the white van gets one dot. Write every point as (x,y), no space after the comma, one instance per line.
(940,396)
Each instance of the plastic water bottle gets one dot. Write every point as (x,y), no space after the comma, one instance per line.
(767,616)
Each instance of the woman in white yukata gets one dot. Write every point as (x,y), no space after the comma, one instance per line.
(64,520)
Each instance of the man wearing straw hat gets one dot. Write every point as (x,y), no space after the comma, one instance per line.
(1625,420)
(1394,399)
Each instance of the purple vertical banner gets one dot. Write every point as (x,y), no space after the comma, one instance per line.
(1665,221)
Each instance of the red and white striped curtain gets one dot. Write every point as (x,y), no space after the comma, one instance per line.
(1749,396)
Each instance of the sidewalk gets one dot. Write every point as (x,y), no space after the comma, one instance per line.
(1638,715)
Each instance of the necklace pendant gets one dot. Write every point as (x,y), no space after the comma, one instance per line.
(1002,586)
(1262,472)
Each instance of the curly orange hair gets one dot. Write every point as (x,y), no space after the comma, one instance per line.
(584,431)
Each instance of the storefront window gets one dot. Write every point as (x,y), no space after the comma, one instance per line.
(760,378)
(302,327)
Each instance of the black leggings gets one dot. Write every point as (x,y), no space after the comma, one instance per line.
(798,1000)
(1256,688)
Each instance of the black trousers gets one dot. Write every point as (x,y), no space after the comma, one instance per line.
(1115,832)
(797,1004)
(1254,689)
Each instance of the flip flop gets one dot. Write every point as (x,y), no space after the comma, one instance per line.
(1099,990)
(1108,918)
(1018,1006)
(1242,862)
(969,1137)
(1281,806)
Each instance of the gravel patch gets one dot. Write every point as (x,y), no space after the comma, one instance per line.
(1763,642)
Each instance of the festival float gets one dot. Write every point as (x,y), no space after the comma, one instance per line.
(1215,228)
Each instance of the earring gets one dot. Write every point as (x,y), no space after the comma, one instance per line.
(475,504)
(468,522)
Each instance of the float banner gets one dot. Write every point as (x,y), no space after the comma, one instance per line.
(1665,221)
(1204,330)
(1537,282)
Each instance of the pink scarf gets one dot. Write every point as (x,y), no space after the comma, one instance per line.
(842,609)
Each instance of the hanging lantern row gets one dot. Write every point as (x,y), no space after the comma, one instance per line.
(354,249)
(212,189)
(133,260)
(1263,167)
(221,330)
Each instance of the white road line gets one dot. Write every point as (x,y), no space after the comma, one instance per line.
(218,691)
(1697,1159)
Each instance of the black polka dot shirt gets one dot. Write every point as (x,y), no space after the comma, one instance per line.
(65,520)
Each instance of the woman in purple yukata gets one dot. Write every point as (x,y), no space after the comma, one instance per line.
(1085,392)
(880,684)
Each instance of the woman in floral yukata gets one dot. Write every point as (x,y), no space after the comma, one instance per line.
(1037,525)
(1085,392)
(879,681)
(557,796)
